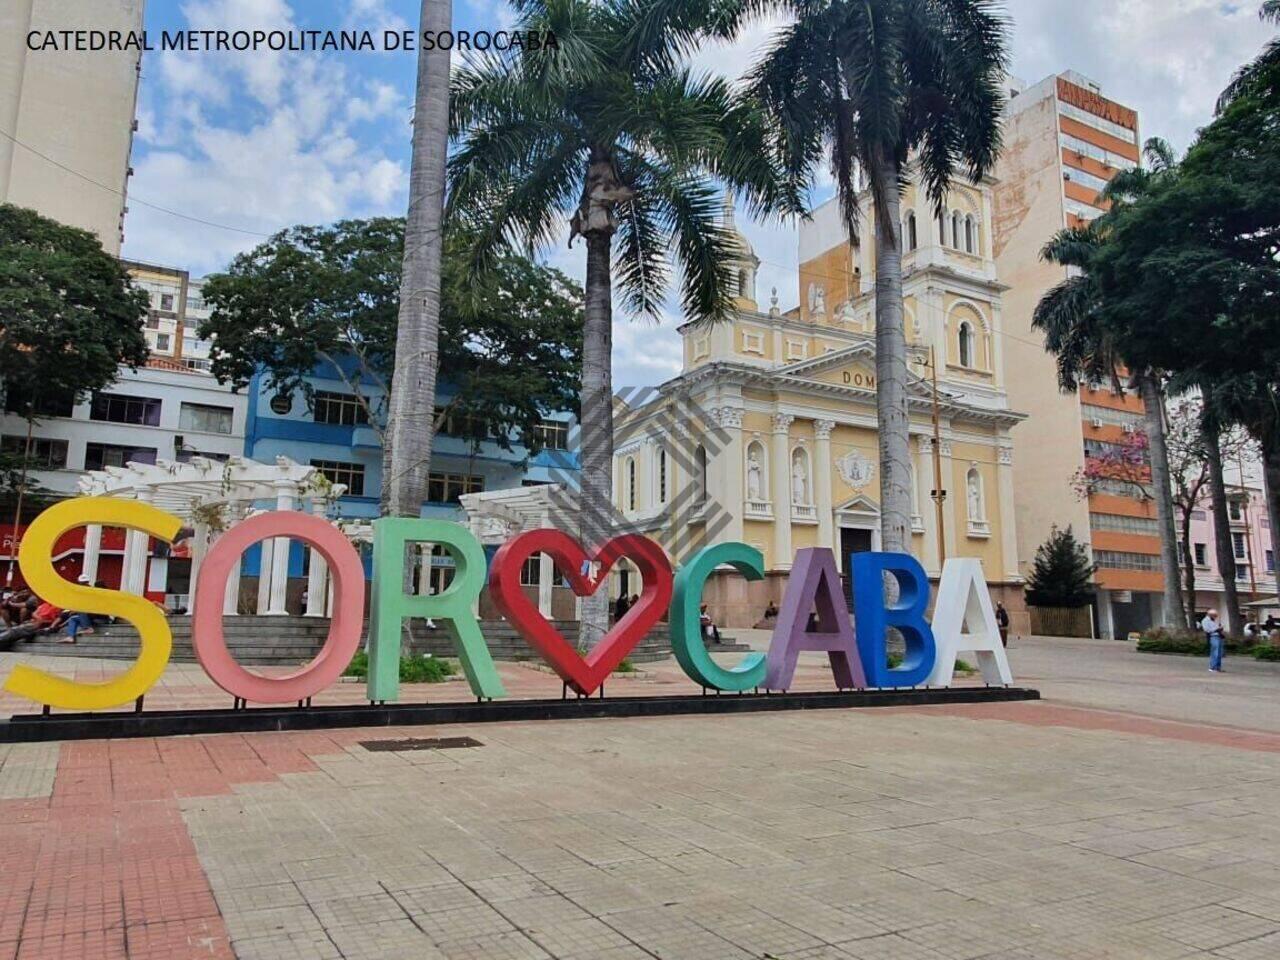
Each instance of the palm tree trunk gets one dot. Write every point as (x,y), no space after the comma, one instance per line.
(1188,567)
(413,385)
(1153,408)
(596,419)
(891,368)
(1222,546)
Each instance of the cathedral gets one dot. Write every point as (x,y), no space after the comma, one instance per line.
(769,434)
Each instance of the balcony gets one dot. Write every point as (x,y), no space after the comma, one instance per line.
(804,513)
(757,510)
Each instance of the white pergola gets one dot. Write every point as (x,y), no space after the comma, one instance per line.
(213,495)
(496,516)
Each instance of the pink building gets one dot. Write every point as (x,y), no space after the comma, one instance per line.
(1251,543)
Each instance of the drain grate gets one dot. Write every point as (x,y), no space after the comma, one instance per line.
(420,743)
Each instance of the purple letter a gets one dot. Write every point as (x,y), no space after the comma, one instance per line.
(814,586)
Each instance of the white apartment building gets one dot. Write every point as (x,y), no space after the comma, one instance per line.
(161,411)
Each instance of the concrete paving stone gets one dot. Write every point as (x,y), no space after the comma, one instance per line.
(532,913)
(1210,927)
(396,939)
(357,911)
(1260,948)
(495,946)
(585,937)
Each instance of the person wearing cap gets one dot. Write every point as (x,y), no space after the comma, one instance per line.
(78,623)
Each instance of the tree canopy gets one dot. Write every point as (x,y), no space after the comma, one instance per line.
(328,296)
(69,316)
(1061,574)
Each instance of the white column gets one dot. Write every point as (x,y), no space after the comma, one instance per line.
(231,599)
(727,481)
(822,483)
(267,550)
(92,550)
(956,547)
(780,491)
(135,552)
(424,569)
(199,547)
(1008,533)
(286,490)
(317,571)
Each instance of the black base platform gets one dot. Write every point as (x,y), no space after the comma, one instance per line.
(28,728)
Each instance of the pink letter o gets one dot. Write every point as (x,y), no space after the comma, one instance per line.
(344,629)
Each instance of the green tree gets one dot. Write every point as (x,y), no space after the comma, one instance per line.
(1073,318)
(69,317)
(881,85)
(1261,74)
(417,361)
(613,134)
(328,298)
(1062,575)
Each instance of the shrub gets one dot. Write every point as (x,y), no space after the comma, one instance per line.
(1267,652)
(626,666)
(413,669)
(1190,643)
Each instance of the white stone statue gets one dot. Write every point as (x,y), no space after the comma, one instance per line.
(817,299)
(799,481)
(975,498)
(753,475)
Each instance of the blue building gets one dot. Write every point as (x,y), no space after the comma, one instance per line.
(332,433)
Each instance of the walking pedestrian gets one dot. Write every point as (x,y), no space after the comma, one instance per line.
(1002,621)
(1212,628)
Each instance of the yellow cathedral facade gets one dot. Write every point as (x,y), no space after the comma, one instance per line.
(769,434)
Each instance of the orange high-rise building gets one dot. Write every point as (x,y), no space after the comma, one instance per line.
(1063,141)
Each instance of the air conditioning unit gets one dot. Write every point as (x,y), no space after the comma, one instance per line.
(1130,428)
(1095,422)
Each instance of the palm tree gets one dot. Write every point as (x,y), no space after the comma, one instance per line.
(615,135)
(1260,74)
(1071,318)
(879,84)
(407,462)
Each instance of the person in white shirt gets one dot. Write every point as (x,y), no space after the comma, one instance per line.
(1212,628)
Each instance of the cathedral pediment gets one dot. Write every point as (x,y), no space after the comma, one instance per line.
(853,367)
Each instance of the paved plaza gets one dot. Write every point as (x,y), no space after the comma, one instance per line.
(1132,814)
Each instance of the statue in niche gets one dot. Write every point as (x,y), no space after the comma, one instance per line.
(799,480)
(975,498)
(817,300)
(754,475)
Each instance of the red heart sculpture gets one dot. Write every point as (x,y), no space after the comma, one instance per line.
(584,675)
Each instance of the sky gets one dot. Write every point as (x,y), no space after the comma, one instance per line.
(232,147)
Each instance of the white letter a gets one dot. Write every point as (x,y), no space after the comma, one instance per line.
(964,602)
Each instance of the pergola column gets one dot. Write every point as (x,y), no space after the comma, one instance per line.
(135,553)
(92,551)
(199,547)
(318,571)
(231,600)
(286,491)
(267,550)
(546,577)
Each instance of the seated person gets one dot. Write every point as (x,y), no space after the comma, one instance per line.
(771,611)
(709,629)
(16,609)
(45,618)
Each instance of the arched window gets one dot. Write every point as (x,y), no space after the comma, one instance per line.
(631,483)
(662,476)
(757,468)
(968,234)
(966,344)
(700,462)
(942,230)
(913,235)
(955,230)
(801,488)
(975,495)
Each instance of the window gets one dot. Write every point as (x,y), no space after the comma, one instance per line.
(186,454)
(100,455)
(955,230)
(1271,561)
(1233,510)
(118,408)
(531,572)
(1103,448)
(1076,145)
(554,434)
(1117,418)
(700,464)
(913,232)
(1098,123)
(16,402)
(162,342)
(1238,545)
(1202,555)
(205,418)
(1088,180)
(968,234)
(153,320)
(631,483)
(45,454)
(342,409)
(966,344)
(351,475)
(448,487)
(1085,211)
(1120,560)
(742,284)
(166,301)
(662,476)
(459,423)
(1122,524)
